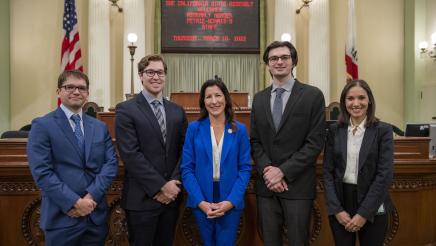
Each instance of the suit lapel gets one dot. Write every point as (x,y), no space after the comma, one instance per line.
(343,135)
(229,137)
(88,127)
(266,98)
(295,94)
(367,141)
(168,118)
(63,123)
(149,115)
(206,137)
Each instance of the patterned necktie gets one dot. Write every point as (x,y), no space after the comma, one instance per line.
(160,118)
(278,107)
(78,132)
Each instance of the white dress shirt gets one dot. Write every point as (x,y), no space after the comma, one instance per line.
(216,153)
(354,142)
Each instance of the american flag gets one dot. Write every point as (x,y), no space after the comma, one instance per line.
(350,47)
(71,54)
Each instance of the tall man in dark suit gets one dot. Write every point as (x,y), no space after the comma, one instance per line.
(150,132)
(73,161)
(287,134)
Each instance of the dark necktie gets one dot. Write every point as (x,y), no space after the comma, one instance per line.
(278,107)
(78,132)
(160,119)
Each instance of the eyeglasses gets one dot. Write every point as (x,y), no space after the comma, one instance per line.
(150,73)
(275,59)
(72,88)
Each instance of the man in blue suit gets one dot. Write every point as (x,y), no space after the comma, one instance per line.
(72,160)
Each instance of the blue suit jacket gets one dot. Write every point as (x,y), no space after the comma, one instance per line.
(196,166)
(63,173)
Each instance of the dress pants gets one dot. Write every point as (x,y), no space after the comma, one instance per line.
(371,234)
(275,212)
(219,231)
(83,233)
(152,227)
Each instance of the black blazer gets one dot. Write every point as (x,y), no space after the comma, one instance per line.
(375,169)
(297,143)
(148,162)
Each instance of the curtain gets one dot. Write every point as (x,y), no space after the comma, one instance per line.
(187,72)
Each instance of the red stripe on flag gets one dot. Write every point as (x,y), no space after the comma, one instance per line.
(65,45)
(77,56)
(74,41)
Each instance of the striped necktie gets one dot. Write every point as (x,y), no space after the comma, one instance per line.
(160,118)
(78,132)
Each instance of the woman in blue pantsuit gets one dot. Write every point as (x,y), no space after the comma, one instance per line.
(216,166)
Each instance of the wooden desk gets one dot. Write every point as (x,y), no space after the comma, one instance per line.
(192,113)
(413,191)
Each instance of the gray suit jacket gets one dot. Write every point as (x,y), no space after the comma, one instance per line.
(375,169)
(295,146)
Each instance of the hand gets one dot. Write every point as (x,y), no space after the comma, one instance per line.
(206,207)
(73,213)
(343,218)
(160,197)
(219,209)
(355,223)
(88,196)
(170,189)
(279,187)
(84,206)
(272,175)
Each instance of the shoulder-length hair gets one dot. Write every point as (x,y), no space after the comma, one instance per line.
(228,110)
(344,117)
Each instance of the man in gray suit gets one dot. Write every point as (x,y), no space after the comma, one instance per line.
(287,135)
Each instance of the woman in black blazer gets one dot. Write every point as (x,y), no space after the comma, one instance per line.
(358,169)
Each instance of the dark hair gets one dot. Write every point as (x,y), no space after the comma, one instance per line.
(277,44)
(144,62)
(344,117)
(228,110)
(72,73)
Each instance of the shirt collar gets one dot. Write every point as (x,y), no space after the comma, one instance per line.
(69,113)
(288,86)
(361,126)
(150,98)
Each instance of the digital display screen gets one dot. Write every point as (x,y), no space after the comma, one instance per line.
(209,26)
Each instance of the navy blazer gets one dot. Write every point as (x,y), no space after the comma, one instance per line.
(149,162)
(63,173)
(375,169)
(197,170)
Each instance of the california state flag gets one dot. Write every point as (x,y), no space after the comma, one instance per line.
(350,46)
